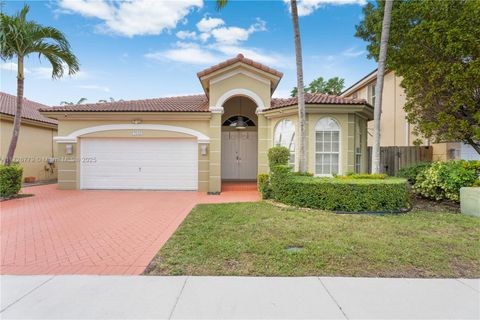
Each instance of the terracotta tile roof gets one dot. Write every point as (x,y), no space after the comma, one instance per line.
(315,98)
(239,58)
(193,103)
(30,109)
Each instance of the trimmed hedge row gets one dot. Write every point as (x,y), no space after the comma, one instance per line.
(263,184)
(354,195)
(10,180)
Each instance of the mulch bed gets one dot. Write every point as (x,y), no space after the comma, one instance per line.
(445,206)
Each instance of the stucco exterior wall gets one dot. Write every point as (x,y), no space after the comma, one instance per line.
(240,81)
(395,130)
(446,151)
(347,123)
(69,165)
(35,146)
(230,87)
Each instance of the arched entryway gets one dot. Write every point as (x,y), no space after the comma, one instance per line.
(239,140)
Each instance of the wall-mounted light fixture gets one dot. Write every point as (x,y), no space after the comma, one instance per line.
(203,149)
(136,121)
(69,149)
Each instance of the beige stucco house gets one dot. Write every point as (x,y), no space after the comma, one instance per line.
(35,148)
(196,142)
(395,129)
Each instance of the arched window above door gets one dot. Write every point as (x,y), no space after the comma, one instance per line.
(232,121)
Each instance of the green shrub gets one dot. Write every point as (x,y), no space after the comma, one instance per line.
(303,174)
(278,156)
(280,177)
(363,176)
(263,185)
(10,180)
(354,195)
(476,183)
(443,180)
(410,173)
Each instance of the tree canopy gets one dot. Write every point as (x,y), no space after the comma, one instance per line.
(331,86)
(20,37)
(435,47)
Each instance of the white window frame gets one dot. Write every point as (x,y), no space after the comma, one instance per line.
(358,149)
(340,172)
(371,93)
(293,140)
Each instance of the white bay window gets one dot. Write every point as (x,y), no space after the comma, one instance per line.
(327,147)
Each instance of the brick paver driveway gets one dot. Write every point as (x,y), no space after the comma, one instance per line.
(93,232)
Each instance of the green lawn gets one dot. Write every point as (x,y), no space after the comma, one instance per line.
(251,239)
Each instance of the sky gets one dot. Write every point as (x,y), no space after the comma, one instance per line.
(141,49)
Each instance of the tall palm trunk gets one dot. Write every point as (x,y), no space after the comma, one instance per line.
(377,111)
(302,167)
(18,114)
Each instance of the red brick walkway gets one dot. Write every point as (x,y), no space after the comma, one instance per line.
(93,232)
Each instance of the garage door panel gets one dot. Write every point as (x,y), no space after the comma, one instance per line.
(161,164)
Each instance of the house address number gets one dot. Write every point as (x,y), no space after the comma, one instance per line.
(137,132)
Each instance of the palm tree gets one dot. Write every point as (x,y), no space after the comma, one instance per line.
(80,101)
(301,93)
(111,100)
(20,38)
(377,108)
(302,166)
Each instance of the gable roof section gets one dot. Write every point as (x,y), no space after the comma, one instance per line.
(192,103)
(316,98)
(30,109)
(239,58)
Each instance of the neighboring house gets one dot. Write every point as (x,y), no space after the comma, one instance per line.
(196,142)
(395,129)
(35,148)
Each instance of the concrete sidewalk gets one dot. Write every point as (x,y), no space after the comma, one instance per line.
(114,297)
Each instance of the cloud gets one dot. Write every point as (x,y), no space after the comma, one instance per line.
(42,72)
(225,44)
(12,67)
(194,53)
(131,18)
(94,87)
(46,73)
(207,24)
(270,59)
(190,53)
(306,7)
(352,52)
(186,35)
(205,36)
(233,35)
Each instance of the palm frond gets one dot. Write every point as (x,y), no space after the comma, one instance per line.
(22,15)
(221,4)
(19,38)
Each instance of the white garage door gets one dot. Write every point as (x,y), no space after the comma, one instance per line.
(157,164)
